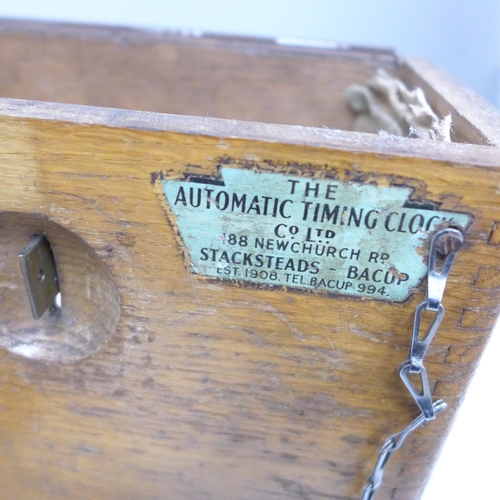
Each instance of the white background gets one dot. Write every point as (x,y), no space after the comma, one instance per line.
(461,36)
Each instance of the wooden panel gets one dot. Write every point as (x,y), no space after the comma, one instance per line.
(224,77)
(207,389)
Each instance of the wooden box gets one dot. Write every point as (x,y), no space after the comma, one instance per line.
(227,370)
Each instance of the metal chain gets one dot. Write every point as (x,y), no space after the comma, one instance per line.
(444,245)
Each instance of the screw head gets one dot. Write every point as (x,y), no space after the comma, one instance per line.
(449,242)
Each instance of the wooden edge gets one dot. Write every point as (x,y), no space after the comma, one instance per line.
(125,35)
(467,105)
(391,146)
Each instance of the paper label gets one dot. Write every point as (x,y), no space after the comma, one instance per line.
(268,228)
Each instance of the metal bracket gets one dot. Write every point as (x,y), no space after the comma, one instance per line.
(40,277)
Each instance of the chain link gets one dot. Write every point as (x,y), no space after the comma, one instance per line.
(391,444)
(444,247)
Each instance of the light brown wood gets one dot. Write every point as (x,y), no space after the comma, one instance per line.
(223,77)
(91,301)
(208,389)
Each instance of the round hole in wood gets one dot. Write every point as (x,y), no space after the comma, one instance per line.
(90,302)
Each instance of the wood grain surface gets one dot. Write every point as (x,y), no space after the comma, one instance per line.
(216,76)
(208,389)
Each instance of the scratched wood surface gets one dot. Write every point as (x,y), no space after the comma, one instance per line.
(208,389)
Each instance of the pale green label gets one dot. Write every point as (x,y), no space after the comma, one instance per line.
(315,234)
